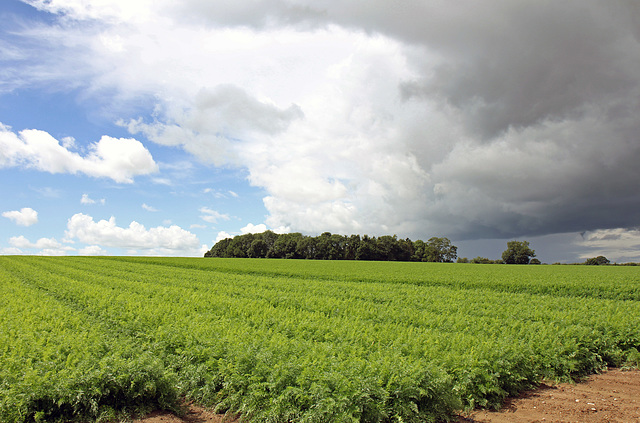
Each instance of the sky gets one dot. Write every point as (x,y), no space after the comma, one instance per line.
(156,127)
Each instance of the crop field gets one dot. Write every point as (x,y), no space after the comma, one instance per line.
(93,339)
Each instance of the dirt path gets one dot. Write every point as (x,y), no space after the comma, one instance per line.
(611,397)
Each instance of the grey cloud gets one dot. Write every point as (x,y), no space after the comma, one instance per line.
(258,15)
(557,177)
(612,237)
(228,107)
(548,64)
(549,97)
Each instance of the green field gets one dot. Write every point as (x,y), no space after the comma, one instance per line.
(301,341)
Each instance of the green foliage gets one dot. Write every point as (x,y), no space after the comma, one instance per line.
(329,246)
(438,250)
(597,261)
(482,260)
(92,339)
(518,252)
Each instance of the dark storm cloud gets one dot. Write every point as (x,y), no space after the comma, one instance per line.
(545,63)
(555,85)
(547,94)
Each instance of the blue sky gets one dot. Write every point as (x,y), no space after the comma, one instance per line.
(157,127)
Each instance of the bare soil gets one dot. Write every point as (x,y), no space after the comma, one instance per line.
(610,397)
(613,396)
(194,414)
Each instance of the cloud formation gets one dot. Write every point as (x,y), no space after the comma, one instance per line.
(617,244)
(46,246)
(460,119)
(213,120)
(26,216)
(92,250)
(42,243)
(253,229)
(118,159)
(171,240)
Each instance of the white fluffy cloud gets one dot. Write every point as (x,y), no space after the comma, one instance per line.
(93,250)
(11,251)
(254,229)
(118,159)
(171,240)
(46,246)
(26,216)
(222,235)
(22,242)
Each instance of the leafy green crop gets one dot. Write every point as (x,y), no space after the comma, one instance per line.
(277,341)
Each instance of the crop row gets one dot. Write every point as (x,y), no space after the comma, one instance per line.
(280,341)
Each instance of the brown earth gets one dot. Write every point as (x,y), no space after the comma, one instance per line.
(613,396)
(610,397)
(194,414)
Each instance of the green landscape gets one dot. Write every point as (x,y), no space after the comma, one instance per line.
(103,338)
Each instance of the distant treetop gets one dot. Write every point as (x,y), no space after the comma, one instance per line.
(597,261)
(518,252)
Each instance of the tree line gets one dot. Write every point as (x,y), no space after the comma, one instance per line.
(329,246)
(517,252)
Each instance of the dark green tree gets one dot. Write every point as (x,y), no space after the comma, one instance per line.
(286,245)
(518,252)
(436,249)
(269,238)
(440,250)
(258,248)
(367,249)
(239,246)
(351,247)
(329,246)
(220,248)
(597,261)
(307,248)
(404,250)
(481,260)
(337,247)
(387,247)
(418,251)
